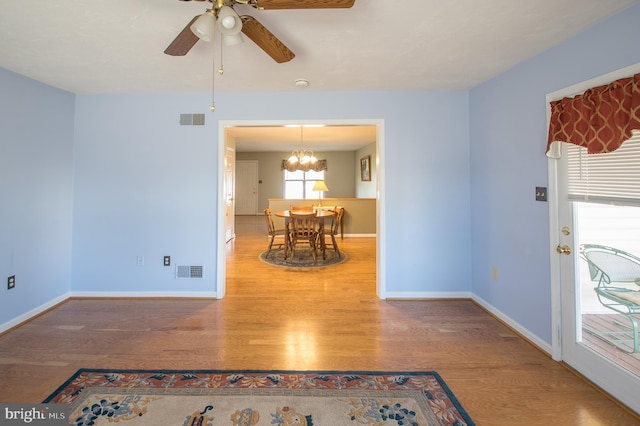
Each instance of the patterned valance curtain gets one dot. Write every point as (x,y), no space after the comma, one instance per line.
(318,166)
(600,119)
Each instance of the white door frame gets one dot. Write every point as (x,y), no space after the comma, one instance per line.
(221,275)
(229,196)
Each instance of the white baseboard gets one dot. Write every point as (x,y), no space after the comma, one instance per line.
(532,338)
(429,295)
(32,313)
(147,294)
(100,294)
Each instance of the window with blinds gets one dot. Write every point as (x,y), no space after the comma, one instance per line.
(612,178)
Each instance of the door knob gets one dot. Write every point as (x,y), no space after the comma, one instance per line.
(564,250)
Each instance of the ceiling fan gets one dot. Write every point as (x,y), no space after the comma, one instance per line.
(202,26)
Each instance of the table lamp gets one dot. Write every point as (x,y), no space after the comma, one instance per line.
(321,187)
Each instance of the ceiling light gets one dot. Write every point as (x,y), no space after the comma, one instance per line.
(230,22)
(232,39)
(205,25)
(302,159)
(301,83)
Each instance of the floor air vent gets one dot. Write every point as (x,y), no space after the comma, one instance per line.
(189,272)
(192,119)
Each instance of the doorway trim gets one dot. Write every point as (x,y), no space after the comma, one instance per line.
(221,269)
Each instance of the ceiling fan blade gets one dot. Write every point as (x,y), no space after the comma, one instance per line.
(181,45)
(305,4)
(266,40)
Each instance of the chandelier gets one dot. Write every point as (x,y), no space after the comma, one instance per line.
(303,159)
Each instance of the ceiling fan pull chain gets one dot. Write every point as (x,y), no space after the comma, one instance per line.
(213,76)
(221,69)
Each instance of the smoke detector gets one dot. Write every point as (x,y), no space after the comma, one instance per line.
(301,83)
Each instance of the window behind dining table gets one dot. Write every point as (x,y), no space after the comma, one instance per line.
(299,184)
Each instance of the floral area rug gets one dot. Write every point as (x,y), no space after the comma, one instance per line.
(254,398)
(303,259)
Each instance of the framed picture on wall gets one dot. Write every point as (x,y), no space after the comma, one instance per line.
(365,168)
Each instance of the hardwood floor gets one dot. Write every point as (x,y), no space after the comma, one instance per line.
(329,319)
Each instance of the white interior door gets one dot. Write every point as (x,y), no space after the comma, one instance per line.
(229,193)
(597,367)
(246,187)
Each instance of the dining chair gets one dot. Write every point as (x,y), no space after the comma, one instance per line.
(334,229)
(273,232)
(301,208)
(304,229)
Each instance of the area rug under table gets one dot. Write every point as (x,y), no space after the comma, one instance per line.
(303,259)
(244,398)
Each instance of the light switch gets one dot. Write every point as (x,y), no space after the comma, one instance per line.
(541,193)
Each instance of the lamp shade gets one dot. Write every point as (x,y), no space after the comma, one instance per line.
(230,22)
(320,186)
(205,26)
(232,40)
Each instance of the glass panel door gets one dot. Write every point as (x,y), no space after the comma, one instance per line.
(589,354)
(605,329)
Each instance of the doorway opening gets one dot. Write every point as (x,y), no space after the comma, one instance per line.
(379,192)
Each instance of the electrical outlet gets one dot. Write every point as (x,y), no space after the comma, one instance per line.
(167,261)
(11,282)
(140,260)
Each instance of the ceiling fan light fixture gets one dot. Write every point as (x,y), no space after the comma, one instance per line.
(205,26)
(230,22)
(232,40)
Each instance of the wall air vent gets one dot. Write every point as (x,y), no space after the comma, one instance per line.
(189,272)
(192,119)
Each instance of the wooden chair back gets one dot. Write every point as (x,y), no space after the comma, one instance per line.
(268,216)
(303,225)
(337,220)
(301,208)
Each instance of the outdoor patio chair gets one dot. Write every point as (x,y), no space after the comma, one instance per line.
(615,271)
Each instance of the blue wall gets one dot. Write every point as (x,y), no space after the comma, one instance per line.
(36,153)
(508,131)
(146,186)
(461,168)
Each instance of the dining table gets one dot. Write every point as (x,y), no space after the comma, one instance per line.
(319,214)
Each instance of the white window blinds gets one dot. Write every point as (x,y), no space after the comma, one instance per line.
(611,178)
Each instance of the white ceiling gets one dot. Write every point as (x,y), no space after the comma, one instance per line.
(117,46)
(318,139)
